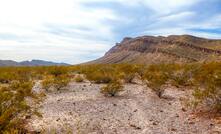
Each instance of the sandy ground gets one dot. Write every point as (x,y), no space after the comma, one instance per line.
(84,110)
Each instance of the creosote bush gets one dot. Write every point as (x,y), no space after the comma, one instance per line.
(208,87)
(57,82)
(112,89)
(13,106)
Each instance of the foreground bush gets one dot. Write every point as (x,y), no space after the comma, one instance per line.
(208,87)
(13,106)
(112,89)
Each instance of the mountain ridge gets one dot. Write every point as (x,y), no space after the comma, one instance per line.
(160,49)
(33,62)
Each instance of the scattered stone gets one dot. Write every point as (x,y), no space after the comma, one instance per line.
(168,95)
(28,117)
(191,122)
(155,123)
(59,100)
(114,104)
(134,126)
(173,129)
(177,115)
(135,110)
(183,109)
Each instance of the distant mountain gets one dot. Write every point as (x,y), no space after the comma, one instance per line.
(30,63)
(171,49)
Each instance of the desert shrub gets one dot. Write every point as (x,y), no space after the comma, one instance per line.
(112,89)
(58,70)
(98,73)
(79,78)
(58,82)
(126,77)
(156,81)
(13,106)
(157,76)
(61,81)
(5,77)
(181,78)
(208,87)
(47,82)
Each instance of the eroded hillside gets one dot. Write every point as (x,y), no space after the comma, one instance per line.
(174,48)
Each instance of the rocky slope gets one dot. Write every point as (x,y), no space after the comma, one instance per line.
(174,48)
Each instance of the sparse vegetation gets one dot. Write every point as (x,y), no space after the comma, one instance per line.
(112,89)
(16,84)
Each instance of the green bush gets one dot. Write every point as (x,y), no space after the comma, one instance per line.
(112,89)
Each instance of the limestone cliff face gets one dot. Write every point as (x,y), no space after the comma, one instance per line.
(151,49)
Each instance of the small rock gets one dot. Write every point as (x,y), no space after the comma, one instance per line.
(168,95)
(191,122)
(183,109)
(177,115)
(59,100)
(134,126)
(28,117)
(161,111)
(173,129)
(115,104)
(58,119)
(155,123)
(135,110)
(137,79)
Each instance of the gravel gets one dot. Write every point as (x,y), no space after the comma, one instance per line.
(137,110)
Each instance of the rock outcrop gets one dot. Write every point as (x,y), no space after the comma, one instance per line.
(174,48)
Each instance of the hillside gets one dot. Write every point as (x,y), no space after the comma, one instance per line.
(29,63)
(174,48)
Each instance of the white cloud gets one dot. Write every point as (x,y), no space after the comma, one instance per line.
(66,30)
(28,20)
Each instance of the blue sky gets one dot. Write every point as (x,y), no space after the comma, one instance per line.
(76,31)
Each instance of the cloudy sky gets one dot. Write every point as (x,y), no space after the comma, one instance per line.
(75,31)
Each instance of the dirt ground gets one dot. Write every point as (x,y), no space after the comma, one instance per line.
(82,109)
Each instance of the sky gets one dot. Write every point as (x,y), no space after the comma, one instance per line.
(76,31)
